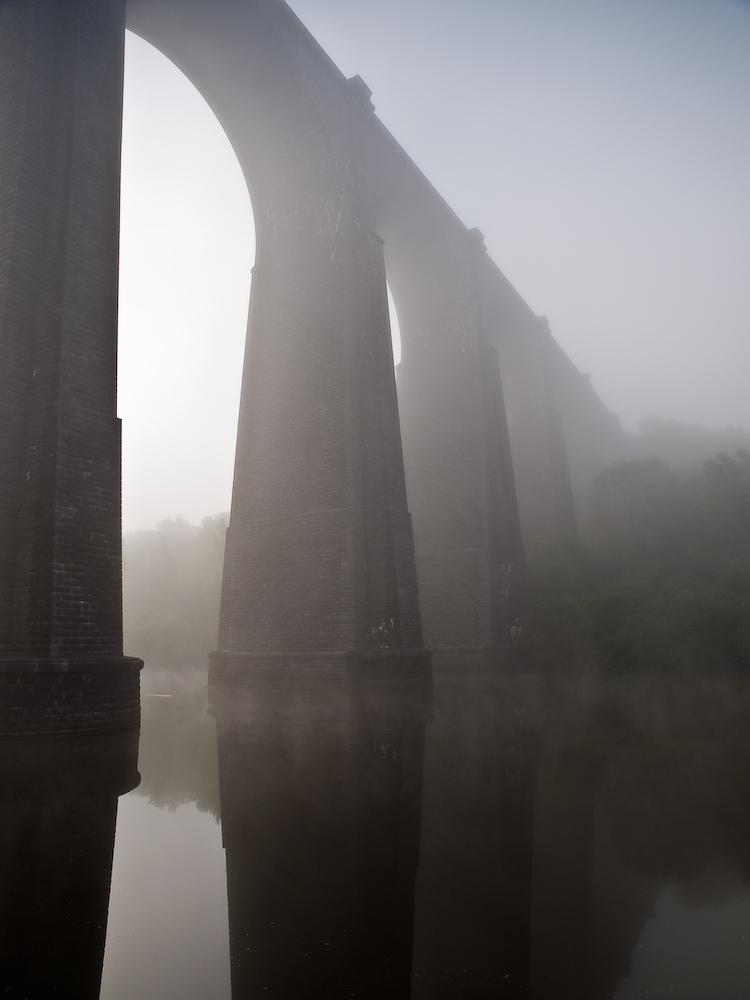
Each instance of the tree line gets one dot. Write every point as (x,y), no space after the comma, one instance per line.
(658,577)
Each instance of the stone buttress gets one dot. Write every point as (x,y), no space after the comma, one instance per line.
(61,70)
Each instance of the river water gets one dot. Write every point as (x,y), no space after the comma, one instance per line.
(509,834)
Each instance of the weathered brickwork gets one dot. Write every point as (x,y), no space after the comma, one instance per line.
(459,469)
(61,664)
(60,113)
(45,695)
(319,553)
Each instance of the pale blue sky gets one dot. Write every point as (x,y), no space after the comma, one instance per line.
(602,146)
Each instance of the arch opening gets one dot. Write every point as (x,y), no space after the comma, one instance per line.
(187,247)
(395,327)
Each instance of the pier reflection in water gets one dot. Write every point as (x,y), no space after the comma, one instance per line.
(502,834)
(556,813)
(320,766)
(58,803)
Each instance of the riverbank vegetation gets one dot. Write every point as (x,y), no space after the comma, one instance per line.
(658,576)
(171,593)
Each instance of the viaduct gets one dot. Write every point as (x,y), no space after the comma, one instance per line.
(493,435)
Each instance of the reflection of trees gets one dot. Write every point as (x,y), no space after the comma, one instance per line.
(614,786)
(654,773)
(674,773)
(667,759)
(177,757)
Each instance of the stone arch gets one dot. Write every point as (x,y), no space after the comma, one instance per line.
(320,554)
(461,486)
(187,248)
(319,493)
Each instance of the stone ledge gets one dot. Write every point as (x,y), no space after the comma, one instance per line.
(58,696)
(83,663)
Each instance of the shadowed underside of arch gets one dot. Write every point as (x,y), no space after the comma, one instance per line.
(320,554)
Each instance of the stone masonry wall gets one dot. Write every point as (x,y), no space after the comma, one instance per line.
(60,121)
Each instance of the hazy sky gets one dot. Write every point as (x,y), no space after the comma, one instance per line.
(602,147)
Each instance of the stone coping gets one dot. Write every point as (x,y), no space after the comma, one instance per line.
(78,663)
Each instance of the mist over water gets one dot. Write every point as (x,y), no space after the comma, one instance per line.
(561,812)
(590,149)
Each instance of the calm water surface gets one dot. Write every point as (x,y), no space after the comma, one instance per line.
(502,835)
(167,934)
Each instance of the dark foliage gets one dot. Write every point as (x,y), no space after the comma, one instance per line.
(660,577)
(171,593)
